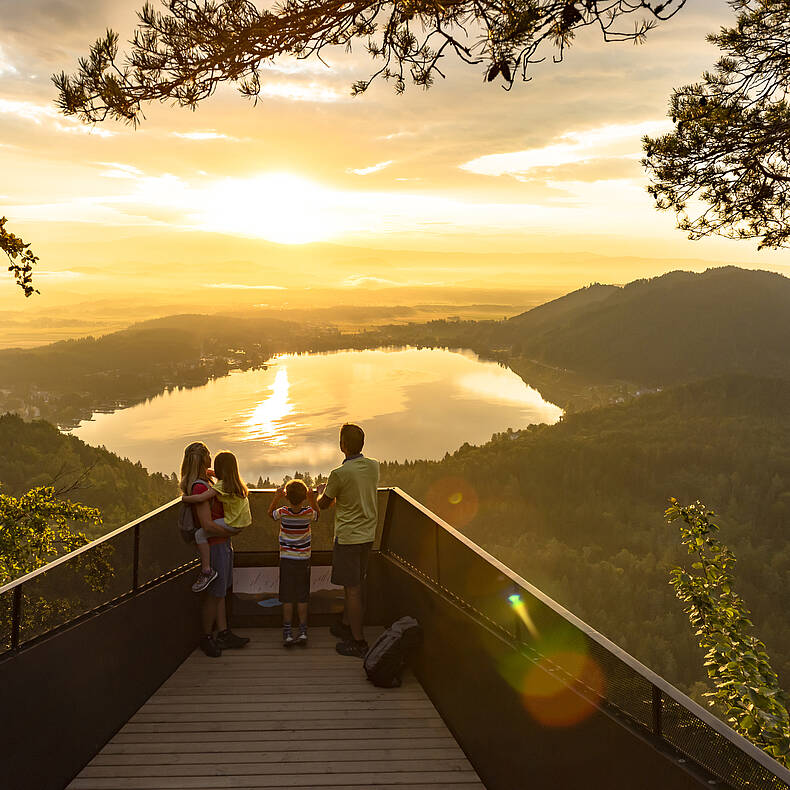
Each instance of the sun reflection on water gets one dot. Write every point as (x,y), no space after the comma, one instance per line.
(266,419)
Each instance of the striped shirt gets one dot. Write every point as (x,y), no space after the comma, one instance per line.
(295,535)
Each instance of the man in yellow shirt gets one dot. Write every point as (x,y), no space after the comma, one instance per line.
(353,487)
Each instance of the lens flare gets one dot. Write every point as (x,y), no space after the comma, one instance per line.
(453,499)
(548,693)
(560,684)
(520,608)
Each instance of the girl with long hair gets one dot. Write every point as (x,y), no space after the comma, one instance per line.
(209,513)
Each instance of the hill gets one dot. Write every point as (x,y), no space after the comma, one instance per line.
(37,454)
(674,328)
(577,508)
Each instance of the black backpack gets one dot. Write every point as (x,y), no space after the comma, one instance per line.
(390,653)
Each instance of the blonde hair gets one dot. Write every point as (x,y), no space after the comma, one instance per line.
(196,461)
(226,469)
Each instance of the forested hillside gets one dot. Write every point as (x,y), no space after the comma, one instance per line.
(37,454)
(576,508)
(678,327)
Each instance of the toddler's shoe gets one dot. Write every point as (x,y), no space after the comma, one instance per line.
(301,640)
(203,580)
(288,638)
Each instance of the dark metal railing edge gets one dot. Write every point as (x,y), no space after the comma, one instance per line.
(655,680)
(87,547)
(19,646)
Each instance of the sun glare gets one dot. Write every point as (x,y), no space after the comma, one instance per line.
(279,207)
(265,422)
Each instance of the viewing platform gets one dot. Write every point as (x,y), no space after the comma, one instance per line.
(244,721)
(103,687)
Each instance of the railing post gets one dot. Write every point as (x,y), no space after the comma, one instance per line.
(16,616)
(657,708)
(136,559)
(385,527)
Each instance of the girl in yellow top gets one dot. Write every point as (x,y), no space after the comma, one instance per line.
(230,490)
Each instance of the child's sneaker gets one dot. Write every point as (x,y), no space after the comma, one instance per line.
(288,637)
(203,580)
(301,640)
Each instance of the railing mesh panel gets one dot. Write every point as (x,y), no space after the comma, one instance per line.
(713,751)
(162,549)
(6,617)
(72,589)
(625,690)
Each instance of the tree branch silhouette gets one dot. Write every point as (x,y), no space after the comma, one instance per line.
(725,169)
(182,54)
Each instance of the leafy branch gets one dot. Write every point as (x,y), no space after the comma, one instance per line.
(38,527)
(21,258)
(745,684)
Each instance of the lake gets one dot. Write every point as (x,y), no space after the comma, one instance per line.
(412,403)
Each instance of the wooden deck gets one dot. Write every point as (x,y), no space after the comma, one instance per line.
(265,716)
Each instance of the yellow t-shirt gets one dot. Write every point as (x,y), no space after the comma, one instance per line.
(353,486)
(236,508)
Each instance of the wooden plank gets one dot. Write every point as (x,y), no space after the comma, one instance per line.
(316,708)
(233,768)
(360,718)
(160,728)
(265,729)
(278,780)
(383,739)
(308,694)
(208,736)
(306,755)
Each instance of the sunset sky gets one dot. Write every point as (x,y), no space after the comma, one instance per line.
(550,169)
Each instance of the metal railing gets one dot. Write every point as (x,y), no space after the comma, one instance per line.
(579,657)
(105,571)
(149,550)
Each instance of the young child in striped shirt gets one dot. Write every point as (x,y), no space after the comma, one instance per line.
(295,541)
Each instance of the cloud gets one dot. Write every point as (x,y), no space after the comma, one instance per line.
(27,110)
(208,134)
(294,91)
(120,170)
(368,281)
(364,171)
(39,113)
(242,286)
(576,147)
(6,67)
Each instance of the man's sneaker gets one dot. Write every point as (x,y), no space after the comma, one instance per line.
(228,640)
(341,631)
(301,640)
(288,638)
(204,579)
(352,647)
(209,646)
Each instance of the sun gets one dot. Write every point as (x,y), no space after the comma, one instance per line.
(278,207)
